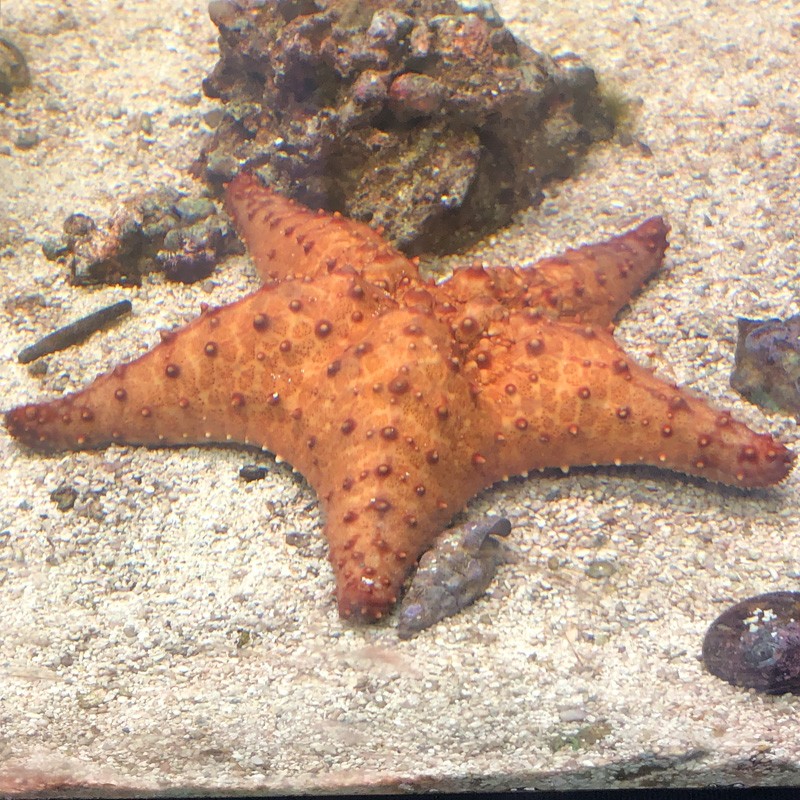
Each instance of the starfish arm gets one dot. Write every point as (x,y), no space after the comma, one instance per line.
(567,395)
(235,374)
(285,237)
(593,282)
(392,455)
(590,284)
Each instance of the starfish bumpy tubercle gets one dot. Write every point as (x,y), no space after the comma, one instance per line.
(399,399)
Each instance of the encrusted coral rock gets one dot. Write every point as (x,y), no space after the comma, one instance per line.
(427,117)
(159,230)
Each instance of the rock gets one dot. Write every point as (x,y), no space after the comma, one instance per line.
(427,117)
(64,497)
(252,472)
(161,229)
(767,370)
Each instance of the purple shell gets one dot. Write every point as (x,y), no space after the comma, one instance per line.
(756,643)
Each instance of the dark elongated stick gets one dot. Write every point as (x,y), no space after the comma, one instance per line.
(75,332)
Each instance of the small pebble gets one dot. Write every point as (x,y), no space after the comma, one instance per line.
(252,472)
(573,714)
(213,117)
(54,247)
(145,122)
(64,497)
(296,538)
(222,166)
(38,368)
(79,225)
(389,26)
(601,569)
(27,139)
(192,209)
(483,9)
(192,99)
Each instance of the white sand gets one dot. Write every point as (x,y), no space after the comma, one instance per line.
(119,664)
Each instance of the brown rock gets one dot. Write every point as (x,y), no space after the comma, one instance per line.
(427,117)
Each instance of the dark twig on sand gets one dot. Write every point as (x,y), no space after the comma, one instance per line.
(75,332)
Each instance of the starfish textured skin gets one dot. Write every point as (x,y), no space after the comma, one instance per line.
(400,399)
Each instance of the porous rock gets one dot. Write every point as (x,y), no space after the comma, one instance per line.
(157,230)
(428,117)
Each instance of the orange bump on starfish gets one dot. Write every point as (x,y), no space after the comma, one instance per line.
(399,399)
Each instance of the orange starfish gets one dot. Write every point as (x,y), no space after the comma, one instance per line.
(399,399)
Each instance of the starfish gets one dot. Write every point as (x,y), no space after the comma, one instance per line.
(399,399)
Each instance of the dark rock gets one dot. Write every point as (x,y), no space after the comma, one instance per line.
(55,247)
(79,225)
(14,72)
(64,497)
(184,237)
(297,538)
(767,370)
(193,209)
(27,139)
(252,472)
(427,117)
(756,643)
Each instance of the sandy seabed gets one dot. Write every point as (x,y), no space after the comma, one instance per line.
(163,636)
